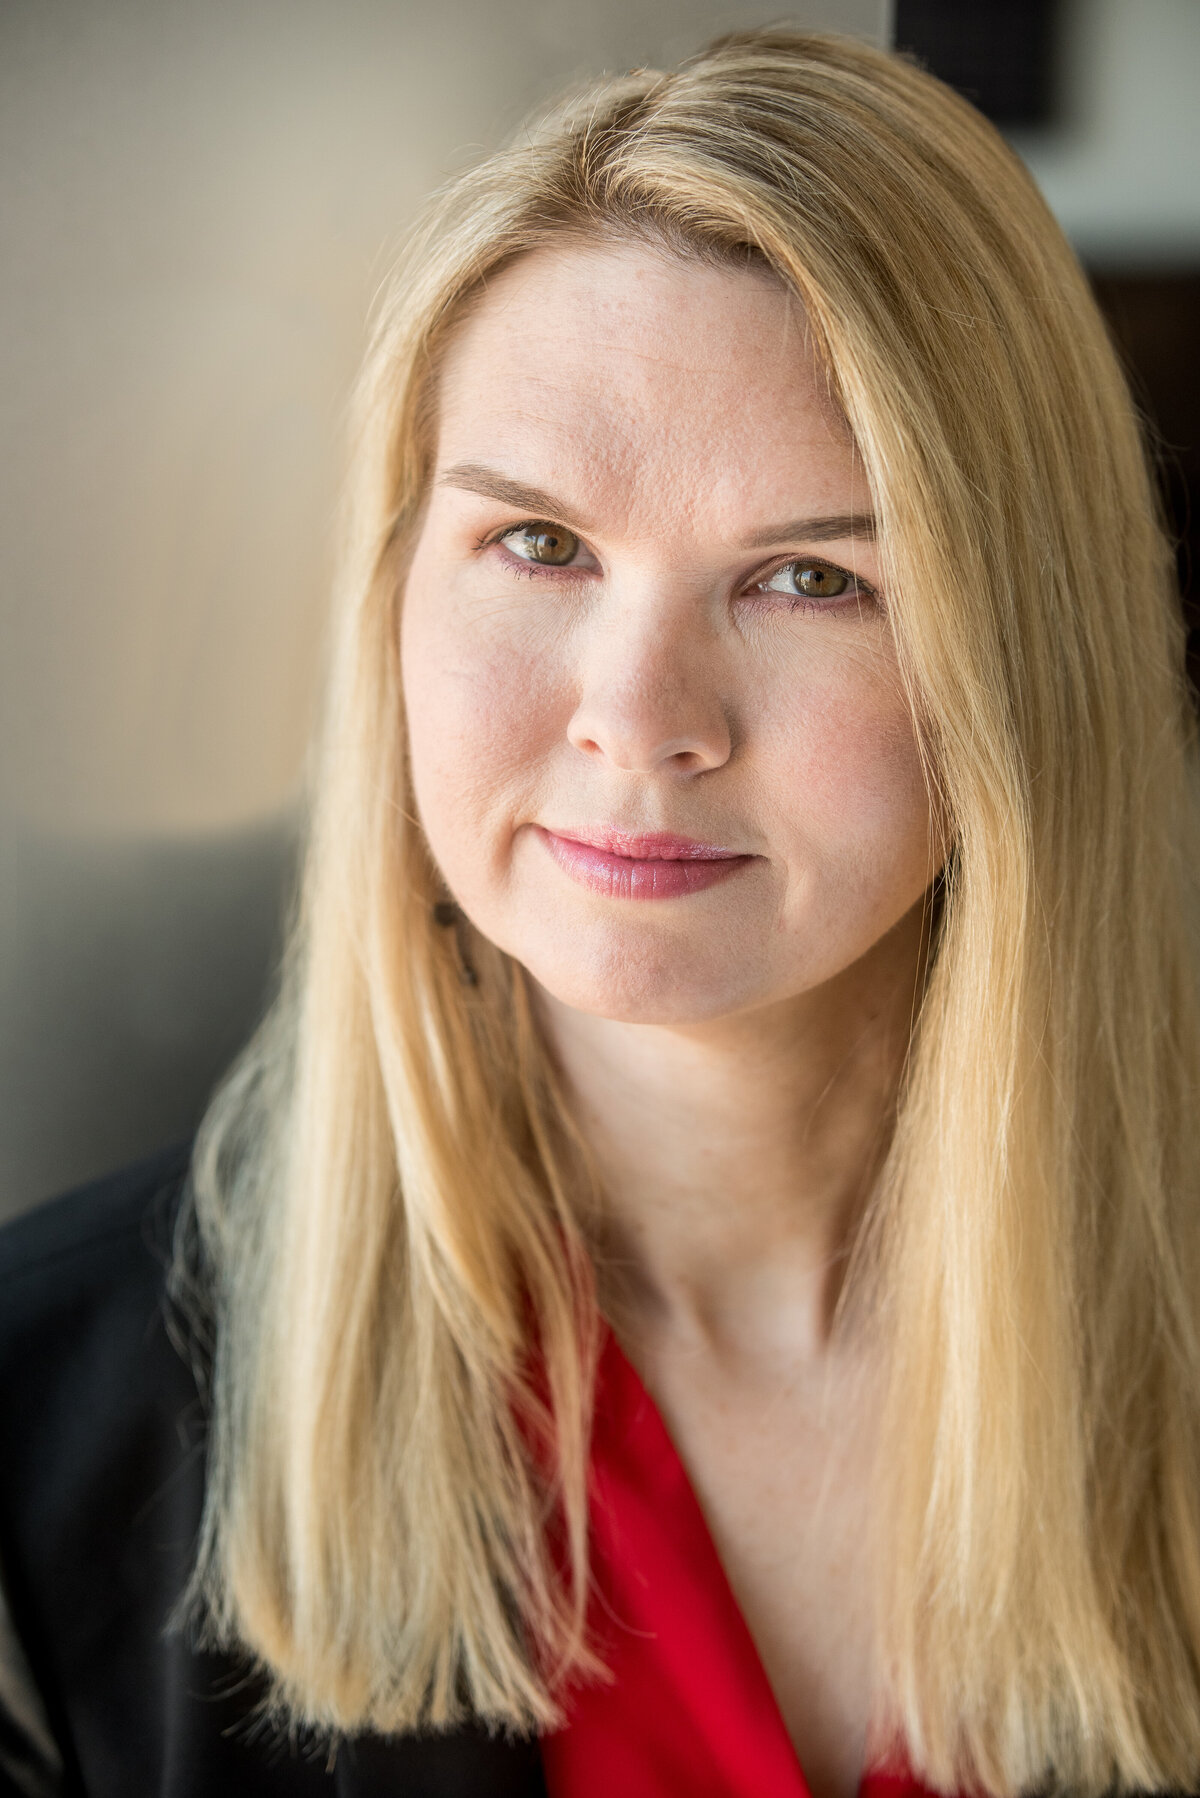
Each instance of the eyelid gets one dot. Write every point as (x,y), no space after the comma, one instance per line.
(563,570)
(811,561)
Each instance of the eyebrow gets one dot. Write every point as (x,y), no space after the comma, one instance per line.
(835,527)
(475,477)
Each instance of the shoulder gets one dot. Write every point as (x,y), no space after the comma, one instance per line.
(104,1244)
(85,1353)
(99,1413)
(70,1248)
(102,1439)
(101,1443)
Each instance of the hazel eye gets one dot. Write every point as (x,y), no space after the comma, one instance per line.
(809,580)
(546,543)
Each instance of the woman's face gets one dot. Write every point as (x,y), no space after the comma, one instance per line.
(659,744)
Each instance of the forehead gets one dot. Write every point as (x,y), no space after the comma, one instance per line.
(623,371)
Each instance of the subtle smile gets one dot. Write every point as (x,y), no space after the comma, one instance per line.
(620,866)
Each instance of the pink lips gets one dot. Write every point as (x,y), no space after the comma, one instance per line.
(620,866)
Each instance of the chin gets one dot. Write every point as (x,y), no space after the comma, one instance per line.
(636,983)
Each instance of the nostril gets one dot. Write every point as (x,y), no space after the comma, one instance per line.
(649,729)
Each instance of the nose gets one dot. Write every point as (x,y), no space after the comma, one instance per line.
(650,696)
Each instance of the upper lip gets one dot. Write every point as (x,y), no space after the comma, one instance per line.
(657,846)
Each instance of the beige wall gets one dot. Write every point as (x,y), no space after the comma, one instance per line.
(198,199)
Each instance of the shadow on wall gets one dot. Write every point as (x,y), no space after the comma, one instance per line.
(1155,319)
(142,968)
(1072,83)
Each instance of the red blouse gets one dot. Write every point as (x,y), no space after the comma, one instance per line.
(689,1710)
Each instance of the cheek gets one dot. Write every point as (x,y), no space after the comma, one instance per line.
(483,711)
(849,784)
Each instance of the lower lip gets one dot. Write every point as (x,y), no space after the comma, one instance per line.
(639,877)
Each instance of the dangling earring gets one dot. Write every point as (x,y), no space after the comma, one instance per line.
(447,915)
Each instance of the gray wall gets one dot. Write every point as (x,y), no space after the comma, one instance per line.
(198,199)
(1122,171)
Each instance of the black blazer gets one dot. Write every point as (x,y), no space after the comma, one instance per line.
(101,1482)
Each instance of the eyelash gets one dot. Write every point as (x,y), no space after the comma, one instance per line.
(519,566)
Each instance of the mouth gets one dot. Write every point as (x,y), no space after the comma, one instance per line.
(618,865)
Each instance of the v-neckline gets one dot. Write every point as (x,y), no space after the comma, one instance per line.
(689,1706)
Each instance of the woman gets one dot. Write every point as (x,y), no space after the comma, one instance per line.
(699,1275)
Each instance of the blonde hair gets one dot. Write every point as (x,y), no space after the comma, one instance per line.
(396,1521)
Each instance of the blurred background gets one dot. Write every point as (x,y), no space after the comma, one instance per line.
(198,201)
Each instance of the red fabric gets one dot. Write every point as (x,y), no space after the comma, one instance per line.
(689,1712)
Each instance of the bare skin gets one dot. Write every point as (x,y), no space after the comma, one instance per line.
(732,1051)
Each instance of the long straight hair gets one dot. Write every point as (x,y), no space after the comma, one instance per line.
(387,1187)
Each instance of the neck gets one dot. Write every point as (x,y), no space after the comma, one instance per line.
(735,1157)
